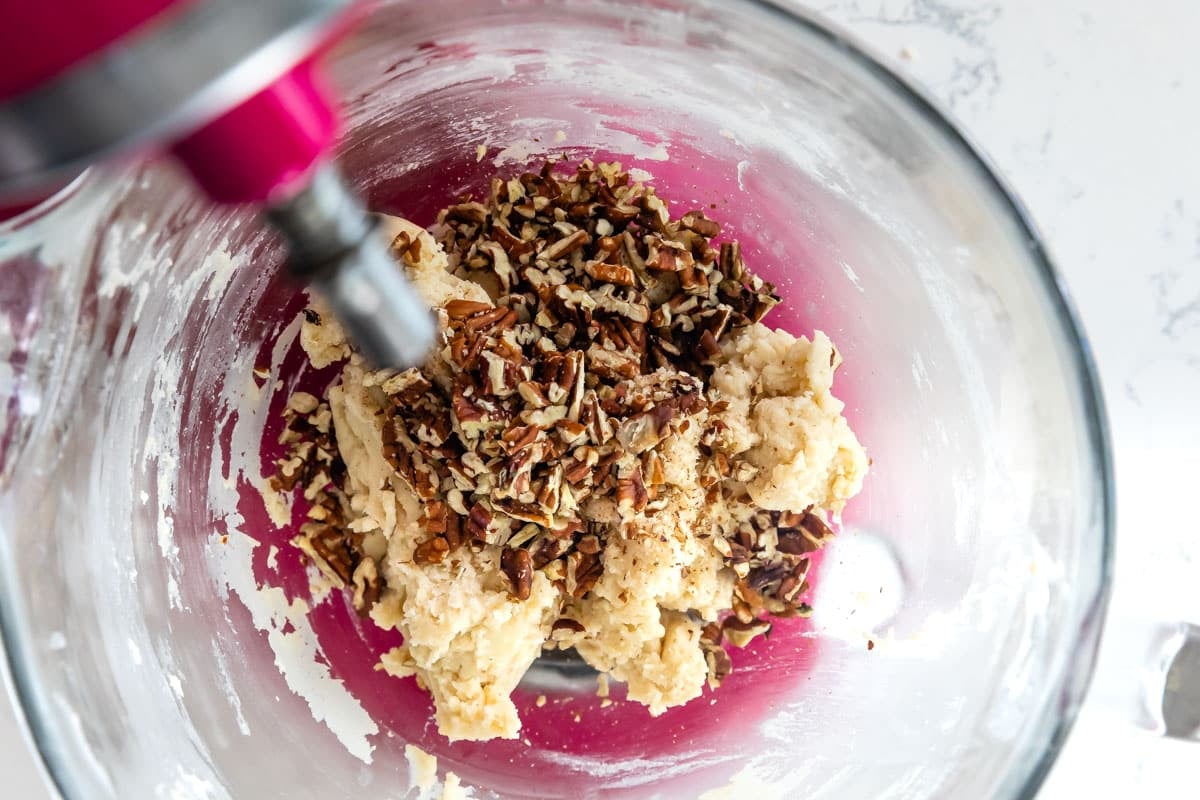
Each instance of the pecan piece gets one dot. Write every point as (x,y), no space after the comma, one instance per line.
(462,309)
(493,320)
(719,665)
(589,544)
(565,246)
(517,437)
(514,246)
(368,586)
(517,566)
(524,512)
(548,549)
(697,222)
(613,365)
(474,213)
(643,431)
(740,634)
(566,631)
(331,546)
(431,551)
(730,262)
(816,527)
(708,348)
(568,624)
(436,516)
(583,572)
(479,522)
(763,303)
(609,273)
(454,530)
(631,494)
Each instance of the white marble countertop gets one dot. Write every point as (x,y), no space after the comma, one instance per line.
(1091,109)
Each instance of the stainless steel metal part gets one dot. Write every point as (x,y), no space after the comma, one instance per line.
(1180,688)
(335,247)
(162,81)
(560,671)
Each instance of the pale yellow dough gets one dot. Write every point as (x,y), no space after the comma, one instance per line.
(469,642)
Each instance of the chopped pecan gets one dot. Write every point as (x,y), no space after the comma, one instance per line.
(568,624)
(462,309)
(436,515)
(613,365)
(652,469)
(493,320)
(576,471)
(606,299)
(631,493)
(469,414)
(589,544)
(583,572)
(763,303)
(431,551)
(815,527)
(719,665)
(513,245)
(368,586)
(331,546)
(566,631)
(524,536)
(570,432)
(730,262)
(454,530)
(524,512)
(643,431)
(603,272)
(565,246)
(475,213)
(479,522)
(517,436)
(533,393)
(548,549)
(696,221)
(793,541)
(693,281)
(517,566)
(740,633)
(710,351)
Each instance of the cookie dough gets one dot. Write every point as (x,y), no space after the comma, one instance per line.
(470,643)
(769,418)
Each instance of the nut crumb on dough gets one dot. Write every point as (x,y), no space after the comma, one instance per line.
(610,453)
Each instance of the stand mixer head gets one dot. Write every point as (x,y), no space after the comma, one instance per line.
(233,91)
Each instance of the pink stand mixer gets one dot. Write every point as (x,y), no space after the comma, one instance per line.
(233,91)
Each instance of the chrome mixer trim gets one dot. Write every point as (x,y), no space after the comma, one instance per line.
(162,81)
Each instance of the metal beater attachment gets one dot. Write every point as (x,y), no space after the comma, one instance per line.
(335,247)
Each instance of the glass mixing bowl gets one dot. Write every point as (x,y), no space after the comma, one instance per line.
(161,632)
